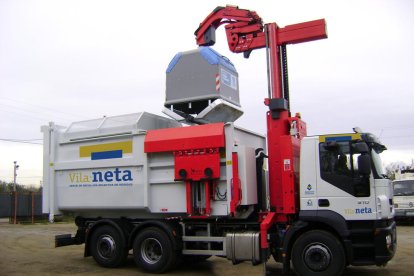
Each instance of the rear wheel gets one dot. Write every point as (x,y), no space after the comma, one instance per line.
(154,251)
(318,253)
(108,248)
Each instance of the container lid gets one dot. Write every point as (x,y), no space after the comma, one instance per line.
(211,56)
(220,111)
(116,125)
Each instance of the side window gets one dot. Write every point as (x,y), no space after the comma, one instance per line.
(339,167)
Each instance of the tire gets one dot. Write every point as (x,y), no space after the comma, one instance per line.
(154,251)
(318,253)
(108,247)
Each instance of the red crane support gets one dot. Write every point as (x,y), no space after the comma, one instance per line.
(245,33)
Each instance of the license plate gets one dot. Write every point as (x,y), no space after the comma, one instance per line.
(410,214)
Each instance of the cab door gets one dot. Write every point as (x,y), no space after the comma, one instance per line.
(344,178)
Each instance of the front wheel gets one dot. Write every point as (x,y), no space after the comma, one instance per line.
(154,251)
(318,253)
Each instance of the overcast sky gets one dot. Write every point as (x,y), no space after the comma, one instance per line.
(66,61)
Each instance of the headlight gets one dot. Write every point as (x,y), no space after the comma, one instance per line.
(388,240)
(395,205)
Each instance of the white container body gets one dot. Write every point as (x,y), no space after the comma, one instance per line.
(96,168)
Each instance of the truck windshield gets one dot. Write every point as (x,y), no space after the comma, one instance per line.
(404,187)
(376,159)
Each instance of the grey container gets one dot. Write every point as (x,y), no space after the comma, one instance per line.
(197,78)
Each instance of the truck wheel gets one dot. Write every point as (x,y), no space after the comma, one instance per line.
(154,251)
(108,247)
(318,253)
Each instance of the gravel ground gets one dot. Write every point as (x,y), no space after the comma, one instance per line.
(29,249)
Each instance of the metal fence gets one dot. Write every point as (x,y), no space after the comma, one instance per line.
(21,207)
(5,205)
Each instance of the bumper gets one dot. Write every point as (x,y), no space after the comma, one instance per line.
(385,243)
(404,213)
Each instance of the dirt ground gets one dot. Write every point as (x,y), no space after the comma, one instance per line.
(29,249)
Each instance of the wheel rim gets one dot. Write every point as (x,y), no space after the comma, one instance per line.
(317,257)
(151,250)
(106,247)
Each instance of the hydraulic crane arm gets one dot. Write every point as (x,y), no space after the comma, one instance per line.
(244,29)
(246,32)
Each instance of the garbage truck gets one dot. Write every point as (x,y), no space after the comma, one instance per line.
(192,184)
(403,185)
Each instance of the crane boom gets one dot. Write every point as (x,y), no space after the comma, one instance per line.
(246,32)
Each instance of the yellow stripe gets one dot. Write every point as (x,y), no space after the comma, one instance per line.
(355,136)
(86,151)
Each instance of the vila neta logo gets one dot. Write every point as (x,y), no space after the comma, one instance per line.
(364,210)
(101,176)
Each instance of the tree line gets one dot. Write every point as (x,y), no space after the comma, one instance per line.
(394,167)
(7,187)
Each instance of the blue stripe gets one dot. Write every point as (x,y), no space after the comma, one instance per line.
(339,138)
(215,58)
(174,61)
(211,56)
(106,154)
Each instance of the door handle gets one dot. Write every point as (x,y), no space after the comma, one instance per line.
(323,202)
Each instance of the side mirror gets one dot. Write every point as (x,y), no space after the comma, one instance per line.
(364,164)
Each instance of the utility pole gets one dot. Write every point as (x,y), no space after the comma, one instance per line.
(16,167)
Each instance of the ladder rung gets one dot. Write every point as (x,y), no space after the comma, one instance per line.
(203,239)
